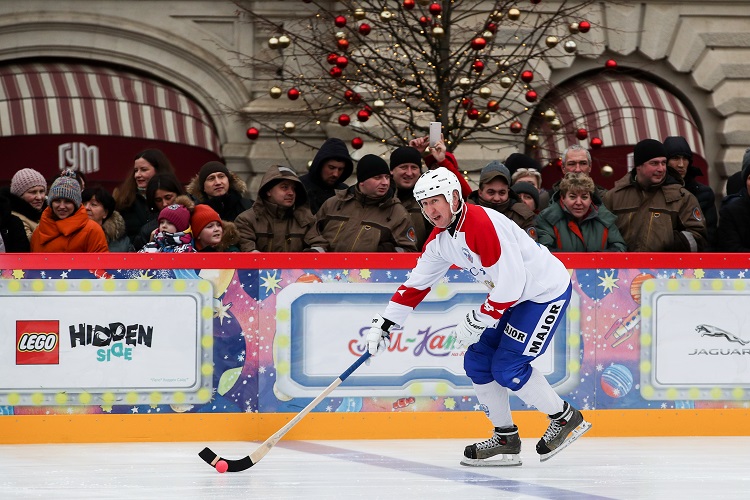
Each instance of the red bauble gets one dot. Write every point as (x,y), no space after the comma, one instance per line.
(610,64)
(364,29)
(516,127)
(292,94)
(252,133)
(342,61)
(344,120)
(356,98)
(557,163)
(584,26)
(335,72)
(363,115)
(596,142)
(332,58)
(409,4)
(478,43)
(527,76)
(473,113)
(425,21)
(343,43)
(493,105)
(582,133)
(491,27)
(357,142)
(367,109)
(478,66)
(531,95)
(348,95)
(340,21)
(466,103)
(435,9)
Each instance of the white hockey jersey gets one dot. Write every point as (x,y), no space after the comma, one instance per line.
(497,253)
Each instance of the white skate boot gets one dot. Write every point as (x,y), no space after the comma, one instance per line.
(564,428)
(501,449)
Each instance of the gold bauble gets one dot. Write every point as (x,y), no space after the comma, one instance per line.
(532,139)
(607,171)
(284,41)
(438,31)
(550,114)
(275,92)
(359,13)
(487,35)
(570,46)
(506,82)
(289,127)
(386,15)
(496,16)
(514,14)
(340,35)
(273,42)
(378,105)
(552,41)
(573,28)
(484,117)
(485,92)
(503,65)
(464,83)
(555,124)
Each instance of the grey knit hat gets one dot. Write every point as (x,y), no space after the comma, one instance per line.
(66,186)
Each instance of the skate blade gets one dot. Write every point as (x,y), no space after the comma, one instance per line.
(507,460)
(577,432)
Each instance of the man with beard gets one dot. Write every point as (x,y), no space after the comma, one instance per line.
(331,166)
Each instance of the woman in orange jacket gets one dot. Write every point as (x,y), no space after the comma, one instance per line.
(65,226)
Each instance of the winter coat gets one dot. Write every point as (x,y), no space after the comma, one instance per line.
(317,190)
(114,231)
(559,231)
(179,242)
(12,229)
(230,238)
(135,216)
(706,199)
(664,218)
(75,233)
(352,222)
(422,227)
(733,232)
(513,208)
(19,207)
(228,205)
(268,227)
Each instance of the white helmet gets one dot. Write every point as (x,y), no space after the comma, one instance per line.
(437,182)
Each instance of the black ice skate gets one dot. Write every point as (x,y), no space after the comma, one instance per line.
(564,428)
(501,449)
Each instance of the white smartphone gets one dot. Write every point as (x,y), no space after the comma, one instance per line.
(435,131)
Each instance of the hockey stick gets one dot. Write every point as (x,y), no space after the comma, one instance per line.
(245,463)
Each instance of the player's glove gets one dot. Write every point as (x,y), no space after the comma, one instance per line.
(379,334)
(469,330)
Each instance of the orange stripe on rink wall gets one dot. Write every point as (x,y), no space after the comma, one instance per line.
(203,427)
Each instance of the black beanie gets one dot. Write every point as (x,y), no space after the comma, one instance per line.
(405,154)
(520,160)
(211,168)
(370,166)
(527,188)
(677,145)
(646,150)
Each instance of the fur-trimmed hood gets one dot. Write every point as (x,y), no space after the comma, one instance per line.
(236,184)
(114,227)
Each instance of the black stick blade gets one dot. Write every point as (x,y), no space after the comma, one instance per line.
(212,458)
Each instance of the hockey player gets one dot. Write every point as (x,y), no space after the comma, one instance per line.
(529,292)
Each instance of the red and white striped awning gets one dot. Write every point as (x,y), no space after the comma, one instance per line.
(75,98)
(619,109)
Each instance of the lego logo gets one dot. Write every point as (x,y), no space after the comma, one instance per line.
(37,342)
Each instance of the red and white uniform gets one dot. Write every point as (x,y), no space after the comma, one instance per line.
(497,253)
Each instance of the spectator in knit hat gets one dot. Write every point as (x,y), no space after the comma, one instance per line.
(527,193)
(173,234)
(161,191)
(27,196)
(576,220)
(494,192)
(220,189)
(280,220)
(366,217)
(329,169)
(406,167)
(733,233)
(655,213)
(130,195)
(211,233)
(65,226)
(100,207)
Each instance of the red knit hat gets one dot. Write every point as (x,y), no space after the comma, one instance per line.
(177,215)
(202,215)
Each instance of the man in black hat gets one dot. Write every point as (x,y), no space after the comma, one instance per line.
(655,213)
(366,217)
(406,167)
